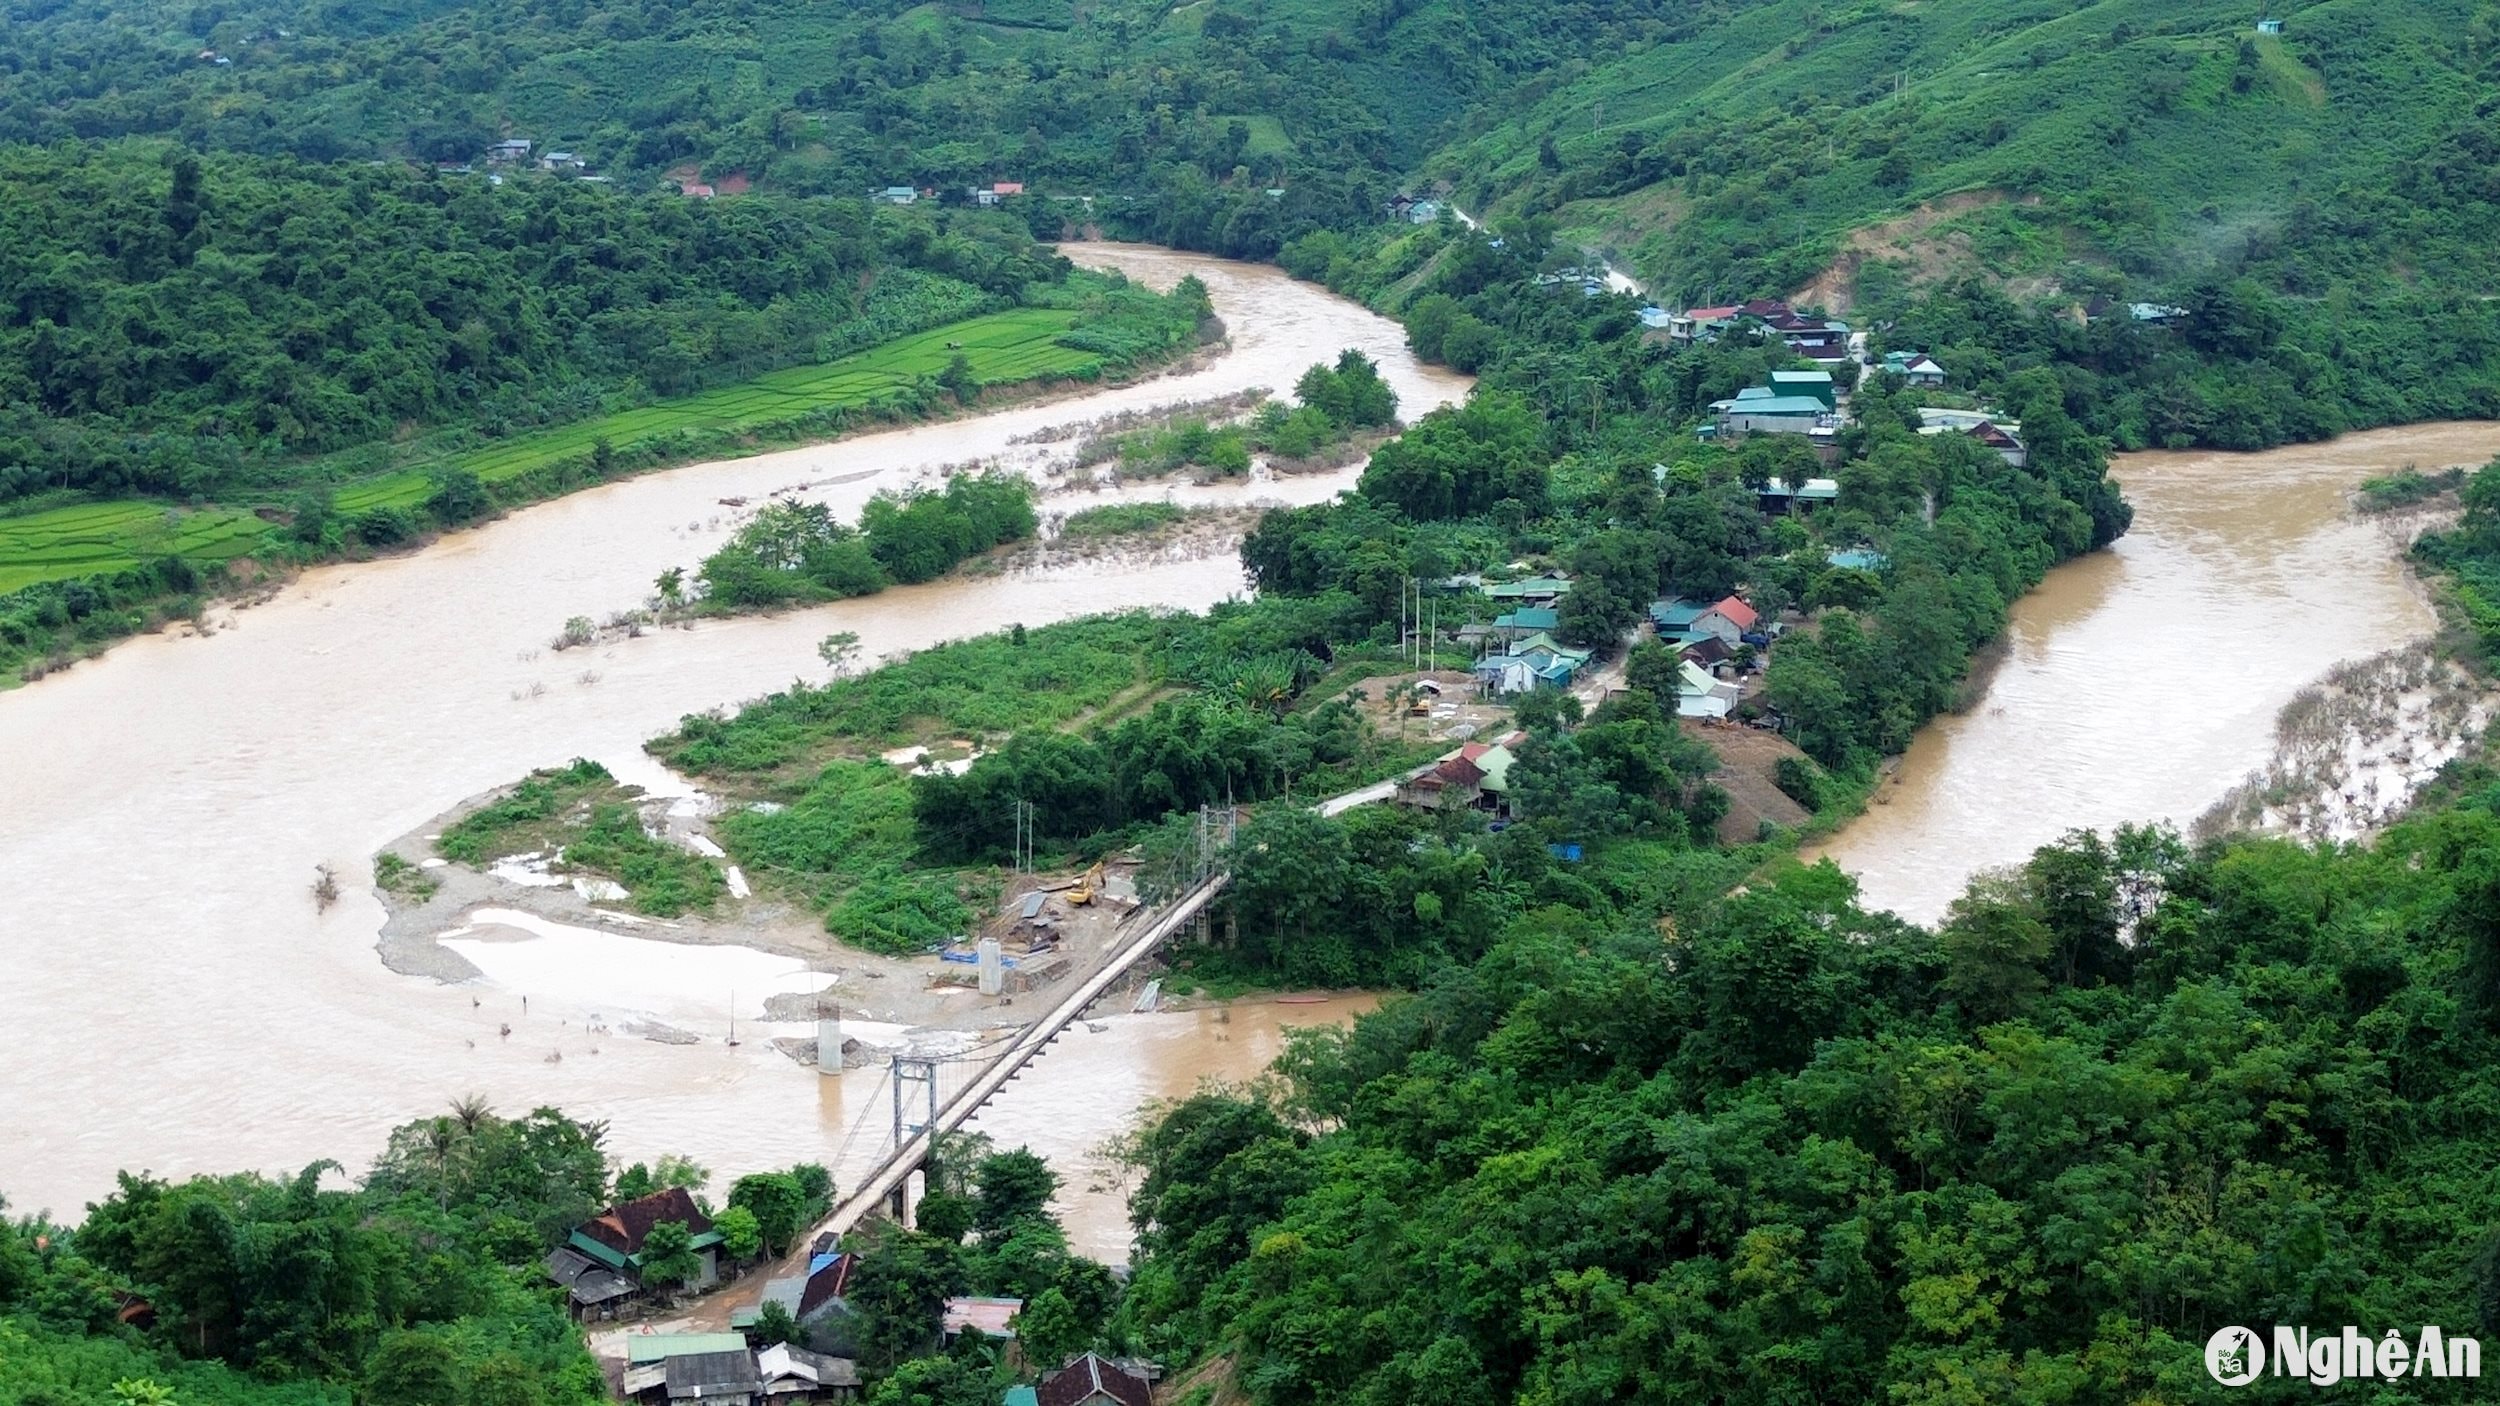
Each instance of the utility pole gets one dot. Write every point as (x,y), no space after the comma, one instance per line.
(1402,632)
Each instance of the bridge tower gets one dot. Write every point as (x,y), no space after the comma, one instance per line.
(920,1070)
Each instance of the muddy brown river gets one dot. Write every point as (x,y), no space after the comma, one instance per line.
(176,1002)
(2143,682)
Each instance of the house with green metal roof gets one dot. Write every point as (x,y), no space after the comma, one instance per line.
(1772,414)
(1495,764)
(643,1349)
(1539,660)
(1529,617)
(1543,643)
(1817,384)
(1533,589)
(1777,496)
(1914,368)
(600,1263)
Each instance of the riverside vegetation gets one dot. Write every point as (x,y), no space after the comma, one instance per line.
(419,1283)
(453,349)
(1115,730)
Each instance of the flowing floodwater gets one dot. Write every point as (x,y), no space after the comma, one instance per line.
(2143,682)
(1096,1080)
(177,1003)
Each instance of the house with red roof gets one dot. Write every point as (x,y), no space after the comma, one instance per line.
(1455,780)
(600,1263)
(1997,437)
(1094,1380)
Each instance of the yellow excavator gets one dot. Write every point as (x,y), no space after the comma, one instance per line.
(1086,887)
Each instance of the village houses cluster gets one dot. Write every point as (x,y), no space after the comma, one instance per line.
(600,1267)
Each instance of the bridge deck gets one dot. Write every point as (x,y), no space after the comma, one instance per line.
(900,1162)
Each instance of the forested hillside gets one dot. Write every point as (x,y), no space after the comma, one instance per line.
(1125,98)
(174,320)
(206,358)
(2066,143)
(1781,1150)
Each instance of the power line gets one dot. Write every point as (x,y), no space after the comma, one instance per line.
(858,1125)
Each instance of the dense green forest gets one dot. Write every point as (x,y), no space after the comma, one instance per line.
(219,261)
(1779,1149)
(415,1285)
(1727,147)
(177,323)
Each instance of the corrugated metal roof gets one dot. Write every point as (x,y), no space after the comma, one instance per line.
(642,1349)
(990,1316)
(698,1375)
(1777,405)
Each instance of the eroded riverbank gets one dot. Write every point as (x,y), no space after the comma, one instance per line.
(2144,682)
(183,1006)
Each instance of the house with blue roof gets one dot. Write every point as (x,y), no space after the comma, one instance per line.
(817,1301)
(1857,559)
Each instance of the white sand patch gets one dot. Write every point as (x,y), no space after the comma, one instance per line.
(584,974)
(528,870)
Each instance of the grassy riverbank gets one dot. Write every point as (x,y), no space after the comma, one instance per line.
(868,800)
(75,577)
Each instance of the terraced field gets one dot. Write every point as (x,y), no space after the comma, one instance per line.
(97,539)
(100,538)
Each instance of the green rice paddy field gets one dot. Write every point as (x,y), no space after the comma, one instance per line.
(100,538)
